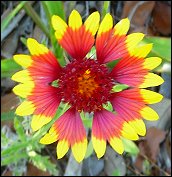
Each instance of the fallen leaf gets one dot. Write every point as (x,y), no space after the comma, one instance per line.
(149,147)
(161,18)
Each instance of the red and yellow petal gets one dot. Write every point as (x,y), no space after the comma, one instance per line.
(110,127)
(111,44)
(134,71)
(103,35)
(23,60)
(122,27)
(25,108)
(24,90)
(131,104)
(38,121)
(70,132)
(77,38)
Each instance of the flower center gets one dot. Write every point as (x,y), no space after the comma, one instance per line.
(85,85)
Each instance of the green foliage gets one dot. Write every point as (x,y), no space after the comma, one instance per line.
(89,149)
(130,146)
(7,116)
(161,47)
(5,22)
(119,87)
(9,67)
(43,163)
(116,172)
(106,7)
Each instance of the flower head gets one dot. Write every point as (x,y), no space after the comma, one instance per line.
(86,84)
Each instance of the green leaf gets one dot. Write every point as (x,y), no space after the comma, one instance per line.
(35,17)
(19,129)
(161,47)
(87,119)
(116,172)
(13,158)
(14,148)
(9,67)
(108,106)
(106,7)
(11,15)
(119,87)
(7,115)
(130,146)
(89,149)
(54,8)
(43,163)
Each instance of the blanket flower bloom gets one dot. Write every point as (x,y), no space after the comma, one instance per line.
(86,84)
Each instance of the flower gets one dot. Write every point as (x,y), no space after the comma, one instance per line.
(86,84)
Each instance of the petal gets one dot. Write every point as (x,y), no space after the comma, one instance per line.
(92,23)
(130,104)
(49,137)
(128,132)
(46,103)
(75,20)
(138,126)
(35,48)
(62,148)
(77,39)
(141,51)
(79,150)
(22,76)
(105,128)
(133,39)
(122,27)
(59,26)
(149,114)
(24,90)
(117,144)
(38,121)
(152,62)
(25,108)
(103,35)
(151,80)
(70,129)
(23,60)
(99,146)
(150,97)
(106,24)
(134,71)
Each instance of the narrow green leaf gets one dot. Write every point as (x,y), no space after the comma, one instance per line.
(106,8)
(89,149)
(9,17)
(130,146)
(9,67)
(19,129)
(7,115)
(161,47)
(35,17)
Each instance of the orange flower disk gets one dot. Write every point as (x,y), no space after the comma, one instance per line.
(86,84)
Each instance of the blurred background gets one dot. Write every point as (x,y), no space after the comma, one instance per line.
(21,153)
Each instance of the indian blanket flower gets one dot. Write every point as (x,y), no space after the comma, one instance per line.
(87,83)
